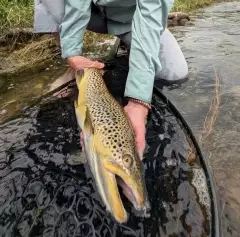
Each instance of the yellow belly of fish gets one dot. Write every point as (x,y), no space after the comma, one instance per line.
(105,181)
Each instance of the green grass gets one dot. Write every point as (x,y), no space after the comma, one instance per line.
(15,14)
(189,5)
(19,13)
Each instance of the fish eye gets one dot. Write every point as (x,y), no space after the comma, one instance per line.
(127,161)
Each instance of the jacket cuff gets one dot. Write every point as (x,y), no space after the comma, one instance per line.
(69,49)
(139,85)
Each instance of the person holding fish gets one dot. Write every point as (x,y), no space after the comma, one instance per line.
(140,24)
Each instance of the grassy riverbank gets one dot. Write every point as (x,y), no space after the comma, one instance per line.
(19,13)
(24,51)
(15,14)
(190,5)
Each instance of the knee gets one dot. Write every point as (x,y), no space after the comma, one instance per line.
(174,72)
(174,64)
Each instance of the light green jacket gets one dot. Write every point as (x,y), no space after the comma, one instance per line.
(146,19)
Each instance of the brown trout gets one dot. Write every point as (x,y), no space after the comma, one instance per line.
(109,146)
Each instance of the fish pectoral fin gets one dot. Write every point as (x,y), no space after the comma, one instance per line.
(88,126)
(84,119)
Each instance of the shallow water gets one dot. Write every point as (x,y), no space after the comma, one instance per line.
(211,47)
(42,194)
(17,92)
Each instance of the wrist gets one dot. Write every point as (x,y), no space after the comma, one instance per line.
(73,61)
(138,104)
(71,58)
(70,61)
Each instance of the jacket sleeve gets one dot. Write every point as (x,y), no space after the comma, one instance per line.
(73,26)
(149,22)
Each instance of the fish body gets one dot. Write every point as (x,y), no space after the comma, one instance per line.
(109,145)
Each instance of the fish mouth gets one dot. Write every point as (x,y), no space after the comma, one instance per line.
(128,192)
(134,191)
(109,177)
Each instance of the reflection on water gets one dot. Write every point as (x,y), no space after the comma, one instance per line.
(17,91)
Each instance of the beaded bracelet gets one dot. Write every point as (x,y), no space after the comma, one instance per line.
(147,105)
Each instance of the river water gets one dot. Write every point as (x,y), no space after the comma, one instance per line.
(212,49)
(211,46)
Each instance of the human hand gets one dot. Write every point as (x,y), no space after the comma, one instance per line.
(79,62)
(137,115)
